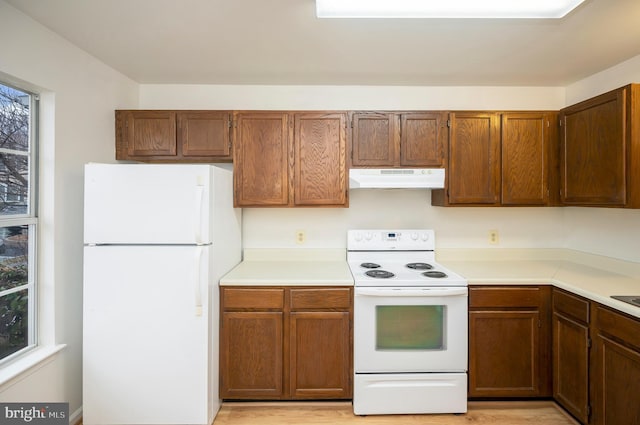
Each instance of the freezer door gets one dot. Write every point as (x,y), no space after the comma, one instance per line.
(146,349)
(152,203)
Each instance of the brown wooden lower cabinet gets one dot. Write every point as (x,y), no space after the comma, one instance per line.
(319,351)
(615,368)
(509,341)
(286,343)
(571,343)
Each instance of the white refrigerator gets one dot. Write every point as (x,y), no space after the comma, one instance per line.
(157,240)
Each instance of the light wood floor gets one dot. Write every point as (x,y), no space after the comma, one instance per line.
(333,413)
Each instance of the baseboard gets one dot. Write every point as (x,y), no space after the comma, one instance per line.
(76,417)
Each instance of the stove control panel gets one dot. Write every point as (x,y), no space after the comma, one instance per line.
(390,240)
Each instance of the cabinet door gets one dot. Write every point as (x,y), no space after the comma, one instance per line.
(615,368)
(474,159)
(144,134)
(421,143)
(593,154)
(320,159)
(251,355)
(373,141)
(617,373)
(509,343)
(204,133)
(320,355)
(571,366)
(261,159)
(504,354)
(525,147)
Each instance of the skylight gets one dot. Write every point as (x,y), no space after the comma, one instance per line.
(452,9)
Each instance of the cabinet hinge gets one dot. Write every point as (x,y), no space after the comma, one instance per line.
(588,342)
(449,123)
(560,122)
(351,124)
(229,123)
(539,323)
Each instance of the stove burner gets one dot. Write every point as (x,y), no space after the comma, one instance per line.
(419,266)
(379,274)
(434,274)
(370,265)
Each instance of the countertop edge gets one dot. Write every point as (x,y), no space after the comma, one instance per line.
(592,277)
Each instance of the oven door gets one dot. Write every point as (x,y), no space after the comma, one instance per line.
(410,329)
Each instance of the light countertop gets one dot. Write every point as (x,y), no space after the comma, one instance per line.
(302,267)
(591,276)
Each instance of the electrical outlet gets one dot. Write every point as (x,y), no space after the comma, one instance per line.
(493,237)
(301,237)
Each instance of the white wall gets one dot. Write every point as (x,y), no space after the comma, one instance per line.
(79,95)
(326,227)
(454,227)
(180,96)
(604,81)
(611,232)
(576,228)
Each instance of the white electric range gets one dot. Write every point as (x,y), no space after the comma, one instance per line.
(410,325)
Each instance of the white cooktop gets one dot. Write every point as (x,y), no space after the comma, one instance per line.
(385,257)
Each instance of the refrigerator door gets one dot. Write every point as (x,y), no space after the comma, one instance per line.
(152,203)
(146,335)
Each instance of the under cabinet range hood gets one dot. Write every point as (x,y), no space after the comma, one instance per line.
(396,178)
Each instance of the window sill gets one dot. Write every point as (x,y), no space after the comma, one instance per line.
(30,361)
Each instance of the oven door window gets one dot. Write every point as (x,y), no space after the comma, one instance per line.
(410,327)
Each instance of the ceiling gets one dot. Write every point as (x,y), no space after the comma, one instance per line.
(282,42)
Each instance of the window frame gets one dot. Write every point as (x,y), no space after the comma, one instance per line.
(29,219)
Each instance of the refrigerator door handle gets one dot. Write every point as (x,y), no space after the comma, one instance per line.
(198,218)
(198,280)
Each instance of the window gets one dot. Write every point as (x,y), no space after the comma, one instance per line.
(18,220)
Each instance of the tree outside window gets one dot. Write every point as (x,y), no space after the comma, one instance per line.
(17,221)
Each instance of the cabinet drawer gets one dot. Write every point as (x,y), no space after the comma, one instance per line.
(308,299)
(622,327)
(571,305)
(252,299)
(505,296)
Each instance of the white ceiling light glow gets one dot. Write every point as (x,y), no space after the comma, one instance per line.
(451,9)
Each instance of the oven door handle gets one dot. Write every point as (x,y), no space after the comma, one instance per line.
(413,292)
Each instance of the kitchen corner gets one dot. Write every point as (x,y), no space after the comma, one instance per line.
(593,277)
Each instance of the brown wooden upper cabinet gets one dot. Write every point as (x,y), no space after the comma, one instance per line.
(320,159)
(261,159)
(528,154)
(395,139)
(473,175)
(173,136)
(284,159)
(600,150)
(499,159)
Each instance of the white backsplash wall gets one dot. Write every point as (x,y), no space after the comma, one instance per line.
(613,232)
(404,208)
(607,232)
